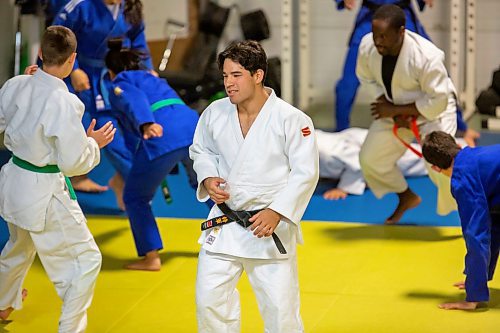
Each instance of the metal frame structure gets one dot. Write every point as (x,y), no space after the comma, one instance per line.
(287,51)
(464,80)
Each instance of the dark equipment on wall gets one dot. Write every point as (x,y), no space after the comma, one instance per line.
(489,99)
(199,81)
(254,26)
(200,77)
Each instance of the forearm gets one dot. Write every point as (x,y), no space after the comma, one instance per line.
(407,110)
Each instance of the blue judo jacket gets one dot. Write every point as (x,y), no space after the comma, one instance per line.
(139,97)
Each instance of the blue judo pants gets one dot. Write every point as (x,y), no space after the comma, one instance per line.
(144,178)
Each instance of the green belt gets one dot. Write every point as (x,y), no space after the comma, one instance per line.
(166,102)
(45,169)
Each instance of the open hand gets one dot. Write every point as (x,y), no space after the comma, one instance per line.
(104,135)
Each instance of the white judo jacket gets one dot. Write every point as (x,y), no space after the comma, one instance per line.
(275,166)
(419,77)
(42,124)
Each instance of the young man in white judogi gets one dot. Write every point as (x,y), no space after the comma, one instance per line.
(42,124)
(252,151)
(407,76)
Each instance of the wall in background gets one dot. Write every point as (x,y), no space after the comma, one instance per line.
(330,30)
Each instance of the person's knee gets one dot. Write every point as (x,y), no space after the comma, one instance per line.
(367,158)
(91,261)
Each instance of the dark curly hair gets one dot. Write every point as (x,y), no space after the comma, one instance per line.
(248,54)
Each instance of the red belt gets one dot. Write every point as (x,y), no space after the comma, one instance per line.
(415,131)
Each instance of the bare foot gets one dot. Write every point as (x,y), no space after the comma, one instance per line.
(117,184)
(407,200)
(85,184)
(150,262)
(463,305)
(4,314)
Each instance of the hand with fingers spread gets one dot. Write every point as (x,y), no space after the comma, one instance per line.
(103,135)
(264,222)
(215,188)
(459,285)
(152,130)
(80,80)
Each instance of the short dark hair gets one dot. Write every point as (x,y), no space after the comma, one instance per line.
(248,54)
(439,149)
(58,44)
(392,14)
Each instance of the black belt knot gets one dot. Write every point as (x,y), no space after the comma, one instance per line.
(242,218)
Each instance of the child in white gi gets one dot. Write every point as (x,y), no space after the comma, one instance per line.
(252,151)
(43,130)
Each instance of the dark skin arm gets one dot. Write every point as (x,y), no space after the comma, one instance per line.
(382,108)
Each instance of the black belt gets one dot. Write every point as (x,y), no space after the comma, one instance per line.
(241,217)
(374,6)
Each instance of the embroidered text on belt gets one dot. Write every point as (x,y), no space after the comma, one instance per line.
(415,131)
(45,169)
(241,217)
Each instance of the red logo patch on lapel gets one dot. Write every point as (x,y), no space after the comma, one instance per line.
(306,131)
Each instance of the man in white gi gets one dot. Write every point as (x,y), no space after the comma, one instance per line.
(43,130)
(252,151)
(407,76)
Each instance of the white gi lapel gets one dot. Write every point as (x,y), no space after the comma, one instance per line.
(401,71)
(248,141)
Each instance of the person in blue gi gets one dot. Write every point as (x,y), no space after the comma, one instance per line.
(94,22)
(151,111)
(475,184)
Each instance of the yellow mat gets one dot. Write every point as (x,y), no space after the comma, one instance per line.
(353,277)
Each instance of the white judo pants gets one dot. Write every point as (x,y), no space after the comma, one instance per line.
(274,282)
(68,254)
(381,151)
